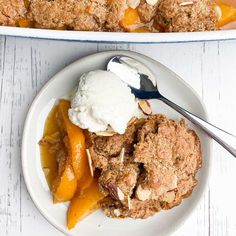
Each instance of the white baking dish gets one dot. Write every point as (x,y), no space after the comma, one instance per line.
(119,37)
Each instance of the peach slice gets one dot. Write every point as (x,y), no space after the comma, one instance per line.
(142,30)
(228,14)
(83,204)
(67,165)
(131,17)
(65,185)
(25,23)
(77,150)
(227,2)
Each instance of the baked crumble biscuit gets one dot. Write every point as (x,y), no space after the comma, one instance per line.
(11,11)
(116,10)
(85,15)
(157,171)
(122,176)
(174,16)
(73,14)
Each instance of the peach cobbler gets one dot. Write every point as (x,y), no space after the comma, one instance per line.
(105,149)
(117,15)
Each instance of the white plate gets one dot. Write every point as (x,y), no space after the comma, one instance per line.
(163,223)
(116,37)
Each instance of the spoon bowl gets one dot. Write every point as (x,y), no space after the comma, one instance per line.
(132,72)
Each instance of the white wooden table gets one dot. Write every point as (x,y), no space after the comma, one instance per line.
(26,64)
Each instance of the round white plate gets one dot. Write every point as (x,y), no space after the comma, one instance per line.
(97,224)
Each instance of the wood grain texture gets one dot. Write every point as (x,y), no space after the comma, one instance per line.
(25,66)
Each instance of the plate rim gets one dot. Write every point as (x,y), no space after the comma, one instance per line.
(35,100)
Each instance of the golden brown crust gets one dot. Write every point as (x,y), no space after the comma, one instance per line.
(157,171)
(174,17)
(11,11)
(85,15)
(116,11)
(74,14)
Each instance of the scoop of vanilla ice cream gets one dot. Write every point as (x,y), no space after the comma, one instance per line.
(102,99)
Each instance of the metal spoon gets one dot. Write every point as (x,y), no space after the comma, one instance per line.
(144,86)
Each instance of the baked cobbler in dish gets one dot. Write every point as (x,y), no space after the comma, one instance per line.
(117,15)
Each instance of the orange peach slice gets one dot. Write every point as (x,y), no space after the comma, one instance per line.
(25,23)
(142,30)
(77,152)
(131,17)
(83,204)
(228,14)
(64,186)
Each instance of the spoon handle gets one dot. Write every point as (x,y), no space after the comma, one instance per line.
(227,140)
